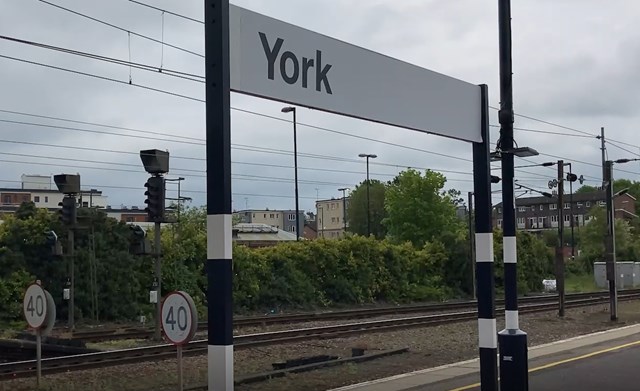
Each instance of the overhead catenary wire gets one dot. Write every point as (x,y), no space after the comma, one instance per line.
(167,11)
(122,28)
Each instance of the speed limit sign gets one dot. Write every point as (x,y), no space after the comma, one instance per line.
(179,317)
(35,306)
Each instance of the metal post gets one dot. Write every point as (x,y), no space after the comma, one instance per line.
(38,357)
(180,371)
(72,292)
(344,208)
(487,340)
(603,152)
(610,242)
(218,146)
(513,341)
(158,273)
(368,201)
(573,238)
(560,246)
(471,245)
(295,164)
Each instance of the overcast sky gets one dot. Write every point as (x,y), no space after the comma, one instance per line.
(575,65)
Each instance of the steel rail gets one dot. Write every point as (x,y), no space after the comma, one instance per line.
(161,352)
(133,333)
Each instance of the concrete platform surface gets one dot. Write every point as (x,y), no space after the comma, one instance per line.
(606,360)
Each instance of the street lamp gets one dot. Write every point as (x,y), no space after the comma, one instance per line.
(512,341)
(610,238)
(368,156)
(290,109)
(344,207)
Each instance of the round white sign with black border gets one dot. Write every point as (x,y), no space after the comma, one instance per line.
(34,306)
(179,317)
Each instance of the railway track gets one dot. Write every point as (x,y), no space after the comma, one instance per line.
(160,352)
(137,332)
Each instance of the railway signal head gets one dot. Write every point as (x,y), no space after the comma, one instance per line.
(138,243)
(68,215)
(155,198)
(51,240)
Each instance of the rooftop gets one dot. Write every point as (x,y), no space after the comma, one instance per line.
(577,197)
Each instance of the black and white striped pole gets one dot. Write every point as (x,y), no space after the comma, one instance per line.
(512,341)
(487,334)
(218,135)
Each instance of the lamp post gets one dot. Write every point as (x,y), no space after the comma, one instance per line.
(344,207)
(368,156)
(290,109)
(610,238)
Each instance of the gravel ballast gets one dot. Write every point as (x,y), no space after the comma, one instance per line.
(429,347)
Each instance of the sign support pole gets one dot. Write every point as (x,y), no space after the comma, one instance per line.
(180,381)
(218,146)
(487,335)
(38,357)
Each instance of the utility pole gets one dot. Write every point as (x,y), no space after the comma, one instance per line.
(344,208)
(292,109)
(573,237)
(72,292)
(368,156)
(472,255)
(560,246)
(610,243)
(603,152)
(512,341)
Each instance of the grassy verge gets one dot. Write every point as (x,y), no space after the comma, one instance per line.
(581,283)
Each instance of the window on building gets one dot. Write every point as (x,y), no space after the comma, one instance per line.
(567,218)
(567,205)
(588,204)
(291,228)
(499,210)
(85,204)
(521,220)
(522,209)
(254,215)
(532,222)
(46,199)
(541,207)
(272,215)
(7,200)
(554,218)
(533,208)
(36,199)
(499,223)
(333,219)
(601,203)
(265,215)
(553,206)
(579,204)
(292,217)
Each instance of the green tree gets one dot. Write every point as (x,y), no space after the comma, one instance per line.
(586,189)
(357,209)
(592,238)
(418,209)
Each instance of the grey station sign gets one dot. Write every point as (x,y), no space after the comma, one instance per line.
(280,61)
